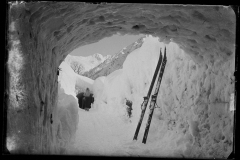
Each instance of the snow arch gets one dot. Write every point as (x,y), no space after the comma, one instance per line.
(48,31)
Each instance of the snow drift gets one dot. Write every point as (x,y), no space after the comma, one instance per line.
(66,113)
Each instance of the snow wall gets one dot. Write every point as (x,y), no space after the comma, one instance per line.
(66,113)
(194,118)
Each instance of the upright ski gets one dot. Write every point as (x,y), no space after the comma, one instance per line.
(154,98)
(145,102)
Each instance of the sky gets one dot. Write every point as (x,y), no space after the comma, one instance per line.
(106,46)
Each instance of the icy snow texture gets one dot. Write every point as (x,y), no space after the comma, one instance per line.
(193,119)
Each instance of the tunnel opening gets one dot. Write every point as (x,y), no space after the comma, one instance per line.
(194,98)
(88,61)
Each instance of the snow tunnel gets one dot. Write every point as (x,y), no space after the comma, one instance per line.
(42,34)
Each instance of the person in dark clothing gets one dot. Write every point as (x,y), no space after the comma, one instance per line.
(86,103)
(80,97)
(85,99)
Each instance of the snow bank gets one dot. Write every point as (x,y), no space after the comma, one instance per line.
(190,97)
(83,82)
(194,119)
(67,78)
(66,114)
(66,119)
(98,87)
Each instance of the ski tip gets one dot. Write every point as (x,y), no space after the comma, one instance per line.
(160,53)
(165,56)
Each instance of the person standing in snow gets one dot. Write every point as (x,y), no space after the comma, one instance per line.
(80,96)
(86,99)
(87,93)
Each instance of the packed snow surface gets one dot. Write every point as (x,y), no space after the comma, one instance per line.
(194,119)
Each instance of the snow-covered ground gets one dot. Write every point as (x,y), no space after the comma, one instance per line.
(184,125)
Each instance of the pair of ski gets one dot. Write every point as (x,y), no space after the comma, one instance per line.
(153,98)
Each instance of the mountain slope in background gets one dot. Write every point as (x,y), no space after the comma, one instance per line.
(81,64)
(114,62)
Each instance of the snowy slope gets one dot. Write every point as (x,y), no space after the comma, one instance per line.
(85,63)
(192,97)
(114,62)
